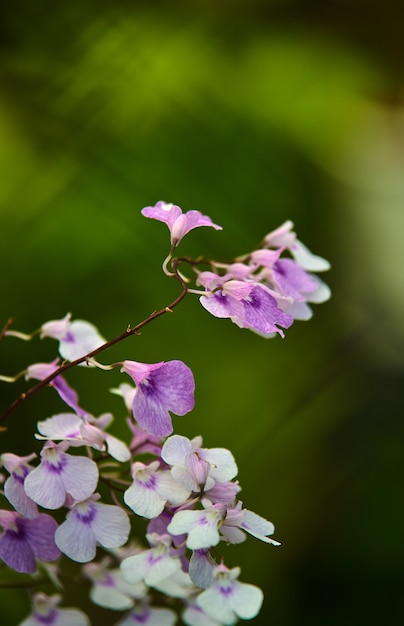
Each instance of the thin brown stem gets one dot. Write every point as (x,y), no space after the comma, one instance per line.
(128,332)
(5,328)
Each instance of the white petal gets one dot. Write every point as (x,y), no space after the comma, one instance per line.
(61,426)
(76,539)
(175,449)
(307,259)
(110,598)
(246,600)
(117,449)
(224,466)
(216,606)
(110,526)
(144,501)
(134,568)
(45,488)
(80,477)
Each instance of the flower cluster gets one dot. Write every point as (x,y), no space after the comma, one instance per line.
(76,498)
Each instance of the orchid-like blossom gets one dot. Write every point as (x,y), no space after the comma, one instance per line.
(76,338)
(109,588)
(40,371)
(59,475)
(45,612)
(228,599)
(25,540)
(179,223)
(200,526)
(90,523)
(152,489)
(205,528)
(196,467)
(144,615)
(160,388)
(88,431)
(249,305)
(18,468)
(151,565)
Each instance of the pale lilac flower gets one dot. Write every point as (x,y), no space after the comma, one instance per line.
(25,540)
(84,432)
(179,223)
(109,588)
(201,526)
(90,523)
(40,371)
(149,616)
(18,468)
(196,467)
(151,565)
(45,612)
(160,388)
(60,474)
(152,488)
(76,339)
(228,599)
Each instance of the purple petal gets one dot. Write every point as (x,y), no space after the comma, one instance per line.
(169,388)
(261,313)
(16,552)
(40,533)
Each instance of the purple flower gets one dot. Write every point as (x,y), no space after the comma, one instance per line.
(179,223)
(88,523)
(60,474)
(160,388)
(25,540)
(249,305)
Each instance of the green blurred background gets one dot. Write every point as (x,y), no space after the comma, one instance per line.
(253,112)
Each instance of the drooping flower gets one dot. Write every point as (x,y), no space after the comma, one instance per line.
(76,338)
(19,468)
(179,223)
(160,388)
(25,540)
(60,474)
(45,612)
(90,523)
(40,371)
(152,488)
(228,599)
(86,431)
